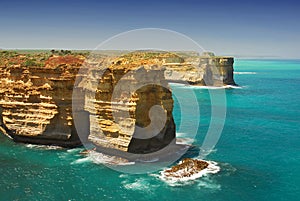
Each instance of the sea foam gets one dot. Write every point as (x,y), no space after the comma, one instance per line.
(81,160)
(205,87)
(100,158)
(45,147)
(244,73)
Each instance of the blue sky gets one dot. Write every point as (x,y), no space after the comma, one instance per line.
(239,28)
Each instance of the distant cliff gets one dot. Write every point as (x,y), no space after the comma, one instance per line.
(204,70)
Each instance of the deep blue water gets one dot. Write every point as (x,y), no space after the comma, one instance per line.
(258,151)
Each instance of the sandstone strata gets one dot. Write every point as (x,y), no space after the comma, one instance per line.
(126,90)
(35,101)
(204,70)
(111,107)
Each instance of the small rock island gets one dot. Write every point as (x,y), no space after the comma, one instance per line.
(186,168)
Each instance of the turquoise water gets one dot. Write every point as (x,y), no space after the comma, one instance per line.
(258,152)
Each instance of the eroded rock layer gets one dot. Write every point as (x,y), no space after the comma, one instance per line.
(36,100)
(112,106)
(119,99)
(207,70)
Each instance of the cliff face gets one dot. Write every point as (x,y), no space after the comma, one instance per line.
(36,104)
(202,70)
(127,106)
(36,101)
(121,106)
(218,70)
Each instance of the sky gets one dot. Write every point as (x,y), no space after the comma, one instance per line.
(237,28)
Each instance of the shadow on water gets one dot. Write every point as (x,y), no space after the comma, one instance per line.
(192,152)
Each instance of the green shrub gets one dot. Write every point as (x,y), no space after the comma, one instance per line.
(174,60)
(30,62)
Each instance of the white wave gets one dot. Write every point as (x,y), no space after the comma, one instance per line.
(81,160)
(64,155)
(46,147)
(206,87)
(74,150)
(221,87)
(181,134)
(140,184)
(148,161)
(233,87)
(210,87)
(208,183)
(100,158)
(184,141)
(244,73)
(212,168)
(124,176)
(135,186)
(205,152)
(183,138)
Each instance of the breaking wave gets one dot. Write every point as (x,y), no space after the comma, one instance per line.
(214,87)
(184,141)
(140,184)
(81,160)
(183,138)
(244,73)
(44,147)
(75,150)
(206,87)
(100,158)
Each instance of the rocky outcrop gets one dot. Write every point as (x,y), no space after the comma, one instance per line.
(186,168)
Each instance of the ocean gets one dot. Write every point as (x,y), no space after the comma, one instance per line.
(258,152)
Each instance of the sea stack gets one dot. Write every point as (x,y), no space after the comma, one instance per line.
(120,99)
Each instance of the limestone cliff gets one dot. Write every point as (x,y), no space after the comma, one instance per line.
(114,105)
(119,107)
(206,69)
(36,102)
